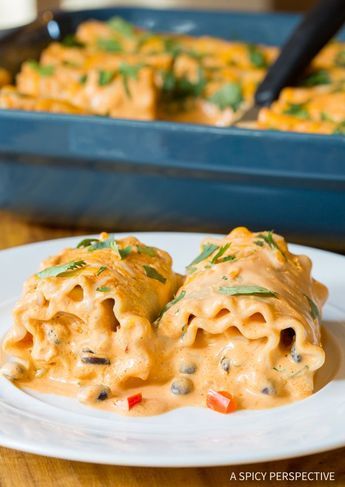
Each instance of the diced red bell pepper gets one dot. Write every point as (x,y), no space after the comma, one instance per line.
(221,401)
(134,400)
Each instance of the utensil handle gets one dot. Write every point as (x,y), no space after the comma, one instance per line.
(314,31)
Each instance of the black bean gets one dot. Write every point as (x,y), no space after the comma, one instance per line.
(269,390)
(296,357)
(181,386)
(102,396)
(187,368)
(95,360)
(225,364)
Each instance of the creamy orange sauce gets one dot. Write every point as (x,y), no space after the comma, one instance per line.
(245,320)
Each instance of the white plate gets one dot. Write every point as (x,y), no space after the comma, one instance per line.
(60,427)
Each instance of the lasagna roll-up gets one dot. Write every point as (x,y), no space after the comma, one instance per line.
(248,318)
(85,318)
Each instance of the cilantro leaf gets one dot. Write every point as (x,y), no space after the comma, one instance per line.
(58,270)
(298,110)
(70,40)
(109,45)
(154,274)
(256,56)
(220,253)
(228,96)
(105,77)
(246,291)
(144,249)
(181,87)
(340,129)
(121,26)
(101,269)
(340,59)
(269,239)
(46,70)
(207,250)
(87,242)
(129,71)
(169,305)
(314,310)
(110,243)
(103,289)
(320,77)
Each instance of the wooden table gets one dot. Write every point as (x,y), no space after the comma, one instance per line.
(20,469)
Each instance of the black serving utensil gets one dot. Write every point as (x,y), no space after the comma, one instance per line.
(27,42)
(318,26)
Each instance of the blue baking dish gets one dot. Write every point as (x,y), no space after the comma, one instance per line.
(117,174)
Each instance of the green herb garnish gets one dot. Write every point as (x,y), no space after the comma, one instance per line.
(325,117)
(340,129)
(144,249)
(109,45)
(207,250)
(46,70)
(314,310)
(169,305)
(217,258)
(124,28)
(70,40)
(247,291)
(172,46)
(320,77)
(256,56)
(103,289)
(179,88)
(128,71)
(297,110)
(124,252)
(260,243)
(105,77)
(228,258)
(228,96)
(269,239)
(101,269)
(110,243)
(154,274)
(87,242)
(58,270)
(83,79)
(340,59)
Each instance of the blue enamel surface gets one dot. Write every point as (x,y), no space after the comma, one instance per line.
(120,174)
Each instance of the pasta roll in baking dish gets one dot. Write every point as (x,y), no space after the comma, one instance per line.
(248,317)
(86,316)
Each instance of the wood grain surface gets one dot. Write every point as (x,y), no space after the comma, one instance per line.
(25,470)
